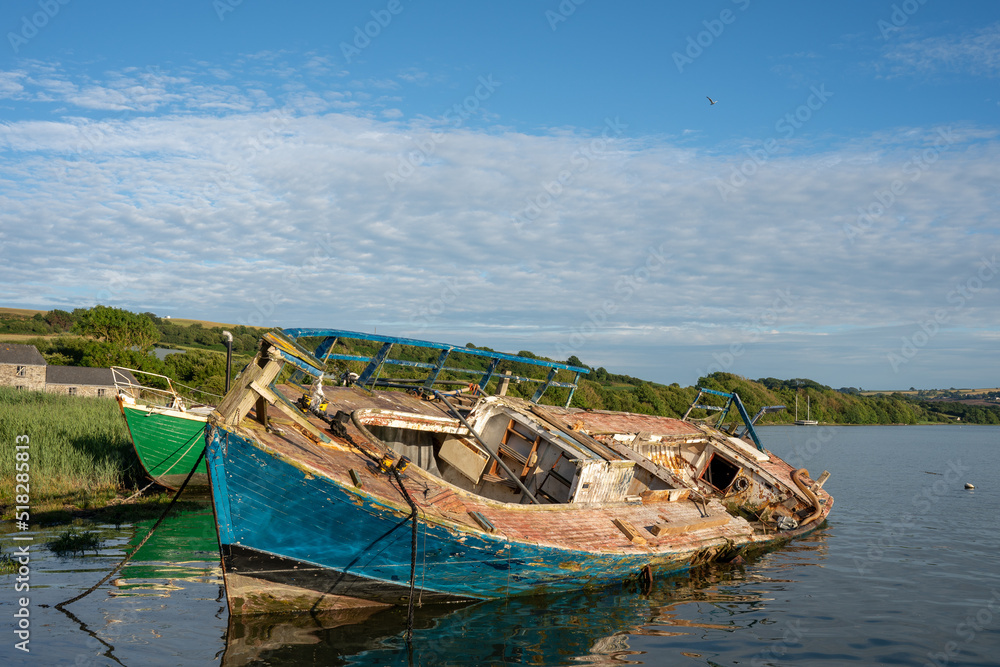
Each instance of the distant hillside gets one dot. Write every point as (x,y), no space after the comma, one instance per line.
(203,367)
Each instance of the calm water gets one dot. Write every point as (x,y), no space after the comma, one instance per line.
(907,572)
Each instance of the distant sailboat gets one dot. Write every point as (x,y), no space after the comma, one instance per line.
(808,421)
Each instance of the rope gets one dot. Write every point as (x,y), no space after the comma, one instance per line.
(413,514)
(413,554)
(423,566)
(156,525)
(136,494)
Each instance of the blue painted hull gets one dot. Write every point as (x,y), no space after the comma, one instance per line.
(287,534)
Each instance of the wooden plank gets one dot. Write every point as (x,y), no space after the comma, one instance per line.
(664,495)
(504,383)
(264,393)
(466,459)
(270,397)
(584,439)
(483,522)
(237,403)
(661,529)
(630,531)
(261,410)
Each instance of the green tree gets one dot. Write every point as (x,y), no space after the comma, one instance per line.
(119,328)
(59,320)
(101,354)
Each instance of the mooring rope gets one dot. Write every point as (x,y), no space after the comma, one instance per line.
(371,437)
(156,525)
(413,554)
(136,494)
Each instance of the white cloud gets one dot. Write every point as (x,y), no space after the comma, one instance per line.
(286,216)
(975,53)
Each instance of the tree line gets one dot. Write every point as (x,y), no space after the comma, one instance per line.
(106,336)
(103,336)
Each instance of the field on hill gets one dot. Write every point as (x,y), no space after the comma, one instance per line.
(24,312)
(183,322)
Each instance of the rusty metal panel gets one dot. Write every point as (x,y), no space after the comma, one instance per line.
(666,455)
(410,421)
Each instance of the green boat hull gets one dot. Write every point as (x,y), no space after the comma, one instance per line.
(168,443)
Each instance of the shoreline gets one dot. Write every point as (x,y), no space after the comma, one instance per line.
(47,512)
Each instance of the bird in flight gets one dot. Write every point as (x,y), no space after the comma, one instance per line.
(710,101)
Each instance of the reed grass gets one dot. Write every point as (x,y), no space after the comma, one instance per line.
(80,451)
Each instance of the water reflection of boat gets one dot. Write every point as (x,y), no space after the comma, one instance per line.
(184,548)
(593,627)
(304,639)
(317,509)
(582,628)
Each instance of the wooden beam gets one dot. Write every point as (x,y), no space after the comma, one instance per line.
(237,403)
(630,531)
(661,529)
(502,389)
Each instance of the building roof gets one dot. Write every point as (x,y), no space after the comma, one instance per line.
(79,375)
(27,355)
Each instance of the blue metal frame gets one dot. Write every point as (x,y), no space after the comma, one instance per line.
(376,361)
(733,399)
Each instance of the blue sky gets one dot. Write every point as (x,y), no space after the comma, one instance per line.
(544,176)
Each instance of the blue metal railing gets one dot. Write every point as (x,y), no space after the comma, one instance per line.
(369,376)
(732,399)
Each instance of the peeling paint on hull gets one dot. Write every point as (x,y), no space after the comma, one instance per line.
(296,541)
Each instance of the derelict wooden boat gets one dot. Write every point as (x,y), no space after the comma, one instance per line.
(167,431)
(373,496)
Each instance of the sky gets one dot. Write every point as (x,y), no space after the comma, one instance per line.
(546,176)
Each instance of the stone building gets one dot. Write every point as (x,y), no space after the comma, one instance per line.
(22,366)
(81,381)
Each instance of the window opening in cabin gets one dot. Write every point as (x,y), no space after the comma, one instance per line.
(720,472)
(22,371)
(71,391)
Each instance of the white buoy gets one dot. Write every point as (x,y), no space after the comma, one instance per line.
(969,486)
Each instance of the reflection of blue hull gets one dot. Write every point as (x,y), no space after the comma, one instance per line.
(283,529)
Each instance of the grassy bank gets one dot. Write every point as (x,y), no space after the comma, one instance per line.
(80,453)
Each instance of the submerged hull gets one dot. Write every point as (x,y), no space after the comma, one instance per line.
(168,443)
